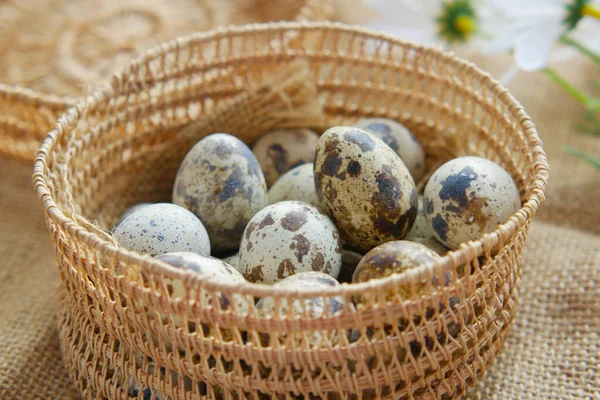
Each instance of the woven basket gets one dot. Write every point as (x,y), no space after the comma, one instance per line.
(54,51)
(121,330)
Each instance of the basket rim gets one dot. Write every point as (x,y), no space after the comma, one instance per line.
(466,252)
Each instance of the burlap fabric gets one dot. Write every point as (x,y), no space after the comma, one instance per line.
(552,351)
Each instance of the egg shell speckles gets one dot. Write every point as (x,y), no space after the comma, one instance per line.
(399,139)
(296,184)
(280,150)
(162,228)
(364,187)
(468,197)
(286,238)
(392,258)
(420,228)
(206,266)
(221,182)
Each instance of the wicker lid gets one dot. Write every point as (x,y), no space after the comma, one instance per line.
(54,51)
(61,48)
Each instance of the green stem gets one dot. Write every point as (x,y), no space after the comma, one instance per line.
(590,103)
(566,86)
(589,53)
(595,162)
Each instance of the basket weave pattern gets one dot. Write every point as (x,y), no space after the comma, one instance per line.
(408,337)
(55,51)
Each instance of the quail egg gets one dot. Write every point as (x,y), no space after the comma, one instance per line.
(364,187)
(234,261)
(311,307)
(432,244)
(401,140)
(296,184)
(134,388)
(280,150)
(315,306)
(286,238)
(162,228)
(420,228)
(391,258)
(207,266)
(221,182)
(130,210)
(468,197)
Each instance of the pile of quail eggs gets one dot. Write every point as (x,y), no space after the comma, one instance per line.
(299,210)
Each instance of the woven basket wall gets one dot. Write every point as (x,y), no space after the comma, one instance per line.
(407,337)
(55,51)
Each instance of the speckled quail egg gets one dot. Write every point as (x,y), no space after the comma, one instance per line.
(364,187)
(311,307)
(234,261)
(207,266)
(296,184)
(420,228)
(130,210)
(221,182)
(468,197)
(314,306)
(401,140)
(350,260)
(162,228)
(392,258)
(432,244)
(280,150)
(286,238)
(134,388)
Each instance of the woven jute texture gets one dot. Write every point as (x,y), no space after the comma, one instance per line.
(552,351)
(406,336)
(55,51)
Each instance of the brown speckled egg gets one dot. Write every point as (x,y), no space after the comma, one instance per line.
(420,228)
(221,182)
(350,260)
(401,140)
(431,243)
(162,228)
(296,184)
(207,266)
(280,150)
(313,307)
(468,197)
(286,238)
(364,187)
(392,258)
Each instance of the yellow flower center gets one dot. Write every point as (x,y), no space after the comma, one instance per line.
(590,11)
(465,24)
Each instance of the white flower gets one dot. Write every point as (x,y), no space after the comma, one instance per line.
(537,25)
(433,22)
